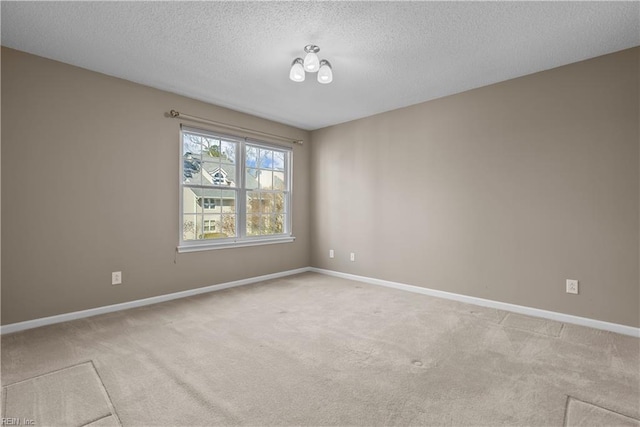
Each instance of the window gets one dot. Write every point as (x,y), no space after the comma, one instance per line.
(218,178)
(207,202)
(209,225)
(234,192)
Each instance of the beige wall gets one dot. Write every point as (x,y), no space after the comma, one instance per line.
(90,186)
(502,192)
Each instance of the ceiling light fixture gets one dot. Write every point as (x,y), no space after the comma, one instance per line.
(311,64)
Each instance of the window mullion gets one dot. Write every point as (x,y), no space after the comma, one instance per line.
(289,183)
(242,193)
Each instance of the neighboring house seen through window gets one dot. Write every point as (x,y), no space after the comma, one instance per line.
(235,192)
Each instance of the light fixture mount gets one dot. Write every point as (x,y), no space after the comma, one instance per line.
(311,48)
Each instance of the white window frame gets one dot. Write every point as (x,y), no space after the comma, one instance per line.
(241,239)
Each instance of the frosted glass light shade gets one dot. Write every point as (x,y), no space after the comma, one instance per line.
(311,62)
(325,73)
(297,70)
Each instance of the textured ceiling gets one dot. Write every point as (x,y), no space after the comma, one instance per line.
(385,55)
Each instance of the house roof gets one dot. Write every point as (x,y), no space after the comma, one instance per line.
(201,168)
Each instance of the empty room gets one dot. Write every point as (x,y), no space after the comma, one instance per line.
(320,213)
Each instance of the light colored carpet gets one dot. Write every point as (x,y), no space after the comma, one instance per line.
(72,396)
(317,350)
(585,414)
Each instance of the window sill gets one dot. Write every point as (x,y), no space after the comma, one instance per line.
(197,247)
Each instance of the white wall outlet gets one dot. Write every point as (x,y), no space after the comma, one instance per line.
(116,278)
(572,286)
(353,256)
(330,253)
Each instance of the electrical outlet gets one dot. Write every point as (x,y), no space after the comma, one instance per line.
(116,278)
(353,256)
(572,286)
(330,253)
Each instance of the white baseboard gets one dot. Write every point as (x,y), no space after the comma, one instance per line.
(529,311)
(29,324)
(536,312)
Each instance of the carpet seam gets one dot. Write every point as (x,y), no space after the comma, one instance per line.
(601,407)
(561,331)
(566,411)
(88,362)
(104,388)
(4,400)
(97,419)
(48,373)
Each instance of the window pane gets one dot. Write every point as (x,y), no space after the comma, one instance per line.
(271,224)
(192,200)
(278,224)
(191,168)
(191,144)
(278,181)
(212,227)
(278,160)
(266,203)
(266,180)
(266,159)
(210,149)
(278,203)
(253,224)
(252,157)
(253,202)
(268,224)
(229,225)
(228,201)
(211,203)
(228,152)
(251,179)
(189,223)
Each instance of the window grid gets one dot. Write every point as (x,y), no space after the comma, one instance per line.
(256,174)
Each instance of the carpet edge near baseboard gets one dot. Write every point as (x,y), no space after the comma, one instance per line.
(530,311)
(65,317)
(513,308)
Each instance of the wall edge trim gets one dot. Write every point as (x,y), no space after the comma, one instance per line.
(514,308)
(65,317)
